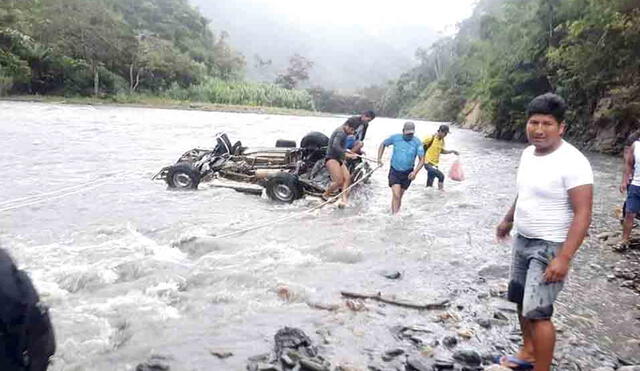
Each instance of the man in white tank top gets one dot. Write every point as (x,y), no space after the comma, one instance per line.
(631,185)
(552,213)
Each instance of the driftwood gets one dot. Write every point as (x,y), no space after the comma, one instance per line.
(378,297)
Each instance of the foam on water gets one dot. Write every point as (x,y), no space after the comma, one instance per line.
(131,269)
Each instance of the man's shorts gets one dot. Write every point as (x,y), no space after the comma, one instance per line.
(351,140)
(633,199)
(527,286)
(399,177)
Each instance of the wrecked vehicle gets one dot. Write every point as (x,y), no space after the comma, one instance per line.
(286,172)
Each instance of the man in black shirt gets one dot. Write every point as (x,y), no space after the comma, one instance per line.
(355,142)
(334,161)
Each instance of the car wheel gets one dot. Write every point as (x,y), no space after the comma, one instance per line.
(183,176)
(284,187)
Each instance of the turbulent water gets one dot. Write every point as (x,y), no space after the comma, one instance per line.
(131,269)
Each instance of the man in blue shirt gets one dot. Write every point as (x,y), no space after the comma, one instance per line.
(406,148)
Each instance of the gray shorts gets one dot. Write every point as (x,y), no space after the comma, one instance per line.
(527,286)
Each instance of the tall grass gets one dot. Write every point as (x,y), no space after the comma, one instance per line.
(242,93)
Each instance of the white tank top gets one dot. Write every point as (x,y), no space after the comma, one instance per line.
(636,168)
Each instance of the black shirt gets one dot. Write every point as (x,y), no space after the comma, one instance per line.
(337,144)
(361,129)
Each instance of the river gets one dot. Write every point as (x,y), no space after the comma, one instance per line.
(130,269)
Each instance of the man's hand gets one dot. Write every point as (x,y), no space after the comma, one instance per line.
(412,175)
(503,229)
(456,153)
(350,155)
(623,187)
(557,269)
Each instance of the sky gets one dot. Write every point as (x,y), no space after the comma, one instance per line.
(438,15)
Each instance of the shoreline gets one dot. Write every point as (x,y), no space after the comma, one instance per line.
(165,103)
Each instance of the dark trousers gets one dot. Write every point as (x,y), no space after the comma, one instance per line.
(432,173)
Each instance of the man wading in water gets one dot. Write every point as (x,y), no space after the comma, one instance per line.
(552,213)
(334,161)
(433,147)
(406,148)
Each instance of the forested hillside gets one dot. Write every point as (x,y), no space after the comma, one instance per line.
(509,51)
(98,47)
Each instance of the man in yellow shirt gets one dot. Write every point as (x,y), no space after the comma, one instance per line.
(433,147)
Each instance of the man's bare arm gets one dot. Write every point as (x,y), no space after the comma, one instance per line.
(503,229)
(629,163)
(581,198)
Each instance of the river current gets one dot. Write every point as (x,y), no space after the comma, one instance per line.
(131,269)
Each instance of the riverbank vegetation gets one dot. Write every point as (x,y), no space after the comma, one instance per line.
(509,51)
(125,47)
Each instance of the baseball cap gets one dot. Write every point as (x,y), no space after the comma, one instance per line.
(409,127)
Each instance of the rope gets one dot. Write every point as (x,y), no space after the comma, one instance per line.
(49,193)
(95,184)
(332,199)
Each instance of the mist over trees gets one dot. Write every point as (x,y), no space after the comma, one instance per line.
(509,51)
(109,46)
(346,57)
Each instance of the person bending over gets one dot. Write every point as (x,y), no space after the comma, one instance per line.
(334,161)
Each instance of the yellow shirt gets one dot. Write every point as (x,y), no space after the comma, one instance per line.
(433,153)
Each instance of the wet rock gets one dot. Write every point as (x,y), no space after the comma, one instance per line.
(392,275)
(154,363)
(264,357)
(484,323)
(515,338)
(465,333)
(392,353)
(627,284)
(606,235)
(307,364)
(450,341)
(507,309)
(495,271)
(263,367)
(496,368)
(426,351)
(418,364)
(467,357)
(499,290)
(293,338)
(629,368)
(288,361)
(443,364)
(500,316)
(221,354)
(604,369)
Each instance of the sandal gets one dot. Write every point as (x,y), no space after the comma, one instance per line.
(514,363)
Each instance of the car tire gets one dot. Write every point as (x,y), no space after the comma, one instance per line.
(314,140)
(284,187)
(284,143)
(183,175)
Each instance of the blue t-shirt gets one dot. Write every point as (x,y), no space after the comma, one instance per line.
(404,152)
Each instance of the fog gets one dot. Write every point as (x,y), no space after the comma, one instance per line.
(353,44)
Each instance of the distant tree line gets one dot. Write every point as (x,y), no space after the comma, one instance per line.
(108,46)
(509,51)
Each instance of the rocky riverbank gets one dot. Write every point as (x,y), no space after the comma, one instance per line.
(627,270)
(469,330)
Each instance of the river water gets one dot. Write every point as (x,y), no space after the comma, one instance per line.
(131,269)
